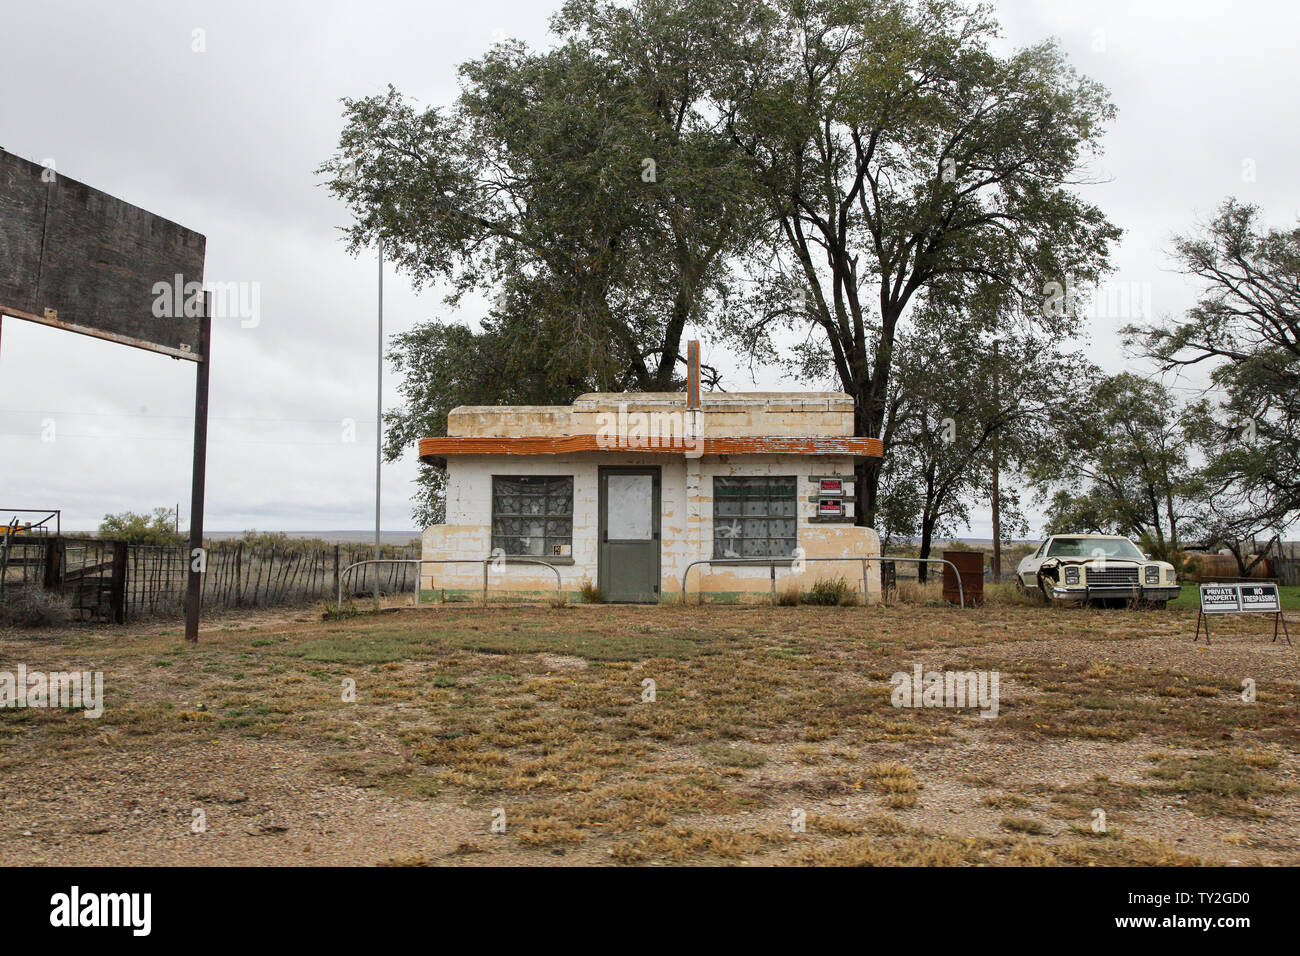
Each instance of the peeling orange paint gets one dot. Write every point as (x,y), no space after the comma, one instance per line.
(569,444)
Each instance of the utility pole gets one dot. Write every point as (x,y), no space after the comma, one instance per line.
(379,414)
(997,467)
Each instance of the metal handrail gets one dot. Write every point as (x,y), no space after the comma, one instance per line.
(772,562)
(486,562)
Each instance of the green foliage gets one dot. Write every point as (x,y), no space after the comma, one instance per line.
(954,394)
(1169,551)
(1125,466)
(898,153)
(753,167)
(589,189)
(340,612)
(1245,327)
(157,527)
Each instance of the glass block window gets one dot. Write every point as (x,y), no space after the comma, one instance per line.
(533,516)
(754,517)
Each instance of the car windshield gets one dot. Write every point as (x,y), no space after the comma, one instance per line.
(1094,548)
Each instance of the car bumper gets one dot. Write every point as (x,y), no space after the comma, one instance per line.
(1074,594)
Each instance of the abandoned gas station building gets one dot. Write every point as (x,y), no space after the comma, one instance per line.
(625,490)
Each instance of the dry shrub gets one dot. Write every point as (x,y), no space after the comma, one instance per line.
(591,594)
(1008,593)
(896,781)
(789,597)
(683,842)
(831,592)
(833,825)
(34,607)
(1023,825)
(913,592)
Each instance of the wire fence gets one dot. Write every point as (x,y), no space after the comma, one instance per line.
(239,575)
(236,574)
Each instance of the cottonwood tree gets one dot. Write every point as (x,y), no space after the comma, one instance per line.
(591,191)
(1246,328)
(896,150)
(953,395)
(1126,466)
(595,182)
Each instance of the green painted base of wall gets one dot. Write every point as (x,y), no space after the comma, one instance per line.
(475,596)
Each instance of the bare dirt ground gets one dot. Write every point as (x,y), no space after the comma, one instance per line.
(770,739)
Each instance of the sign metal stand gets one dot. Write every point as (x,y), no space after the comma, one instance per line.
(1241,598)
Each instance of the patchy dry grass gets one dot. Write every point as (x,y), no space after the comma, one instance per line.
(463,735)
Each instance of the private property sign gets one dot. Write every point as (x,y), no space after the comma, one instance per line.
(1237,598)
(1240,598)
(1220,598)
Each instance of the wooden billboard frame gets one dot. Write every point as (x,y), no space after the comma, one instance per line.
(52,320)
(148,246)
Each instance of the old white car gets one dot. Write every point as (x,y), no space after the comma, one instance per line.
(1078,568)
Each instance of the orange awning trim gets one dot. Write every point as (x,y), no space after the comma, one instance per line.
(569,444)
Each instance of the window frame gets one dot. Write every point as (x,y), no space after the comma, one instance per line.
(790,496)
(546,515)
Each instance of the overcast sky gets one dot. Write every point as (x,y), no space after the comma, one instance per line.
(225,142)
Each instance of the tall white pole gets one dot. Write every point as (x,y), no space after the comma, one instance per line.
(379,413)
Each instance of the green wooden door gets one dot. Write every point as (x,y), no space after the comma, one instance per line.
(628,564)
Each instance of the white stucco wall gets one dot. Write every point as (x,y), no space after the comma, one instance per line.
(687,524)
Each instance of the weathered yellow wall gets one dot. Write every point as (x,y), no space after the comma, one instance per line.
(724,414)
(686,517)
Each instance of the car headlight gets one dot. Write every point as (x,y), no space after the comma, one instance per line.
(1153,575)
(1071,575)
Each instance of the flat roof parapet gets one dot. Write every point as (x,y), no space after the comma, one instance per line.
(784,418)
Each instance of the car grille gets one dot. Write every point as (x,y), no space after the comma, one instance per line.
(1112,577)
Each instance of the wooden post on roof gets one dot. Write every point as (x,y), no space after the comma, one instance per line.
(693,375)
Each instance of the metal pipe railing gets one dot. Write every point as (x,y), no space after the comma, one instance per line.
(486,562)
(772,563)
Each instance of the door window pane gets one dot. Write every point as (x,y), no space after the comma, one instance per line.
(629,507)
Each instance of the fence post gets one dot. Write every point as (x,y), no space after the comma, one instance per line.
(239,574)
(117,590)
(54,564)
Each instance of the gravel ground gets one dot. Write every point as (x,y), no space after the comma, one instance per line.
(276,801)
